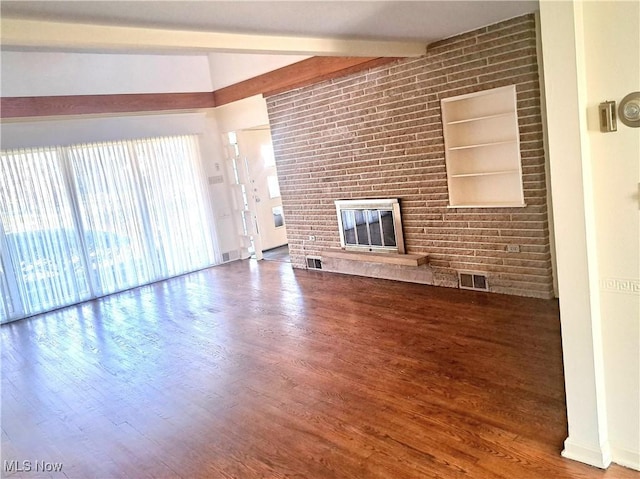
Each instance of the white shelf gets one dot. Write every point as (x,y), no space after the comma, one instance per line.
(480,118)
(481,145)
(485,173)
(482,149)
(489,205)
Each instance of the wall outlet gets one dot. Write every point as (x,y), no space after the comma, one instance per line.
(312,238)
(513,248)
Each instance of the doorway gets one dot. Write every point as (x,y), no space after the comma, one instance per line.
(264,201)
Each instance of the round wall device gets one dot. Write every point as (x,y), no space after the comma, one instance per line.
(629,109)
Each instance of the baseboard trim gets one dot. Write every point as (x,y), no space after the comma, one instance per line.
(594,456)
(626,458)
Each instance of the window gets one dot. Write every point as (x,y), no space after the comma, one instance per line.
(266,151)
(278,216)
(88,220)
(273,186)
(111,216)
(42,259)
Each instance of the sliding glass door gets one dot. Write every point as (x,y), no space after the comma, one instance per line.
(112,216)
(88,220)
(41,240)
(171,184)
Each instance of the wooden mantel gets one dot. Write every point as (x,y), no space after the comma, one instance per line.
(373,257)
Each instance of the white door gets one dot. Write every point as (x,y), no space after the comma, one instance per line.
(263,189)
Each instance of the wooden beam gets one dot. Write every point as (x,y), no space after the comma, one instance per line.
(305,72)
(22,107)
(42,34)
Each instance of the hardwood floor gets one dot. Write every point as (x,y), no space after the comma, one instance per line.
(251,370)
(281,253)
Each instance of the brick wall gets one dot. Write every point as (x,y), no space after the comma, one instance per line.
(379,134)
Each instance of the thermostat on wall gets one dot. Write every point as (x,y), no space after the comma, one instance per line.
(629,110)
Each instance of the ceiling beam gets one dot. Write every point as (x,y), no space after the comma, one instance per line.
(39,34)
(305,72)
(43,106)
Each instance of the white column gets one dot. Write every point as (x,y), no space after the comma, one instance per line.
(573,212)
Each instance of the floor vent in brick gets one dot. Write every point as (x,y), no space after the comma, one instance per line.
(314,262)
(475,281)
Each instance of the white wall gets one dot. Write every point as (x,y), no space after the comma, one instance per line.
(85,128)
(243,114)
(54,73)
(57,73)
(612,43)
(590,55)
(230,68)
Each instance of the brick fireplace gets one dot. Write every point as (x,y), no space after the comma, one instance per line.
(378,134)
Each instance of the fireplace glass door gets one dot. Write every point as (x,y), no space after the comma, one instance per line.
(368,228)
(370,225)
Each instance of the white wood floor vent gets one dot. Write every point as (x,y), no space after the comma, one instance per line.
(473,280)
(314,262)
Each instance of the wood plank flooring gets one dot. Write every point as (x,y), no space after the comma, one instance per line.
(281,253)
(253,370)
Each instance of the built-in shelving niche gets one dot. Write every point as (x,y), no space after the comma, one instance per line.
(482,149)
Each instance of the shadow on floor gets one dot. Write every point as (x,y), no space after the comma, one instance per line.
(281,253)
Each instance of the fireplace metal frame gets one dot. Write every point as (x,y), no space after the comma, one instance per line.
(385,204)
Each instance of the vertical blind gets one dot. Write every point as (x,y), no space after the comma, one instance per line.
(87,220)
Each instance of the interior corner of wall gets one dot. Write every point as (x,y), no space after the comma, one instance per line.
(626,458)
(595,455)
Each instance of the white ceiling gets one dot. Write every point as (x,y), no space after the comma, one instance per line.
(424,21)
(388,20)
